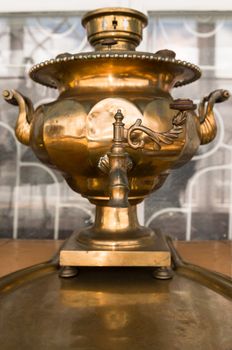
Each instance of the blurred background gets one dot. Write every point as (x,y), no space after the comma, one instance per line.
(195,203)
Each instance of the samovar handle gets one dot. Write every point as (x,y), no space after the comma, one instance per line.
(208,126)
(26,111)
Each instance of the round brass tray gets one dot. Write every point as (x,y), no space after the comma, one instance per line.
(52,72)
(115,309)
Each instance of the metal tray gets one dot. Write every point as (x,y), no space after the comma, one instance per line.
(116,308)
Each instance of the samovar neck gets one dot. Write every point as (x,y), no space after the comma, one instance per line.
(114,28)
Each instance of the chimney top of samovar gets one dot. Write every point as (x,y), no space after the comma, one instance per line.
(114,33)
(114,28)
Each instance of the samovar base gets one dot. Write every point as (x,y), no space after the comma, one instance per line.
(138,237)
(156,254)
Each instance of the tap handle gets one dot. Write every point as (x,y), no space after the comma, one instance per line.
(183,105)
(119,164)
(116,164)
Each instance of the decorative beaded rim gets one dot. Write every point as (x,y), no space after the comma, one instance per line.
(63,58)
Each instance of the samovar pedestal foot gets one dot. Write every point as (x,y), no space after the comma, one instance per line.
(68,271)
(163,273)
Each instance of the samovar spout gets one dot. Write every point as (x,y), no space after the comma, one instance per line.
(117,163)
(208,126)
(119,187)
(26,110)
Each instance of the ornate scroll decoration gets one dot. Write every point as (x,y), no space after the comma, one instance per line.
(159,138)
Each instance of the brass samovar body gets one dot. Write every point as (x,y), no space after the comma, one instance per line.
(115,133)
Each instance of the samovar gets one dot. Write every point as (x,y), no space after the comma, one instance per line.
(115,133)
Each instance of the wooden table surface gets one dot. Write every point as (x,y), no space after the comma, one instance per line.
(18,254)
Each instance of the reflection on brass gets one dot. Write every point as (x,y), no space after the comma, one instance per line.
(115,164)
